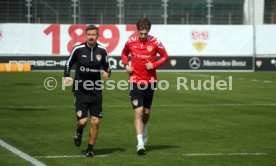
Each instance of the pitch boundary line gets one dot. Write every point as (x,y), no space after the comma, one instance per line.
(184,154)
(68,156)
(238,78)
(222,154)
(154,105)
(213,105)
(21,154)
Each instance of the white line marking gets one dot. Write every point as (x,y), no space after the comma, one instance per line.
(224,154)
(214,105)
(21,154)
(267,81)
(68,156)
(154,105)
(35,106)
(216,76)
(198,75)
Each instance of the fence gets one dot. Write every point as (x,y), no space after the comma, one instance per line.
(128,11)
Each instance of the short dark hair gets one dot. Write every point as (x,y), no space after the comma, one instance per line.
(91,27)
(143,23)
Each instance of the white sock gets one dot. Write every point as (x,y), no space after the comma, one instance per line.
(144,127)
(140,139)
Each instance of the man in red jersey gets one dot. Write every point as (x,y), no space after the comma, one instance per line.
(143,49)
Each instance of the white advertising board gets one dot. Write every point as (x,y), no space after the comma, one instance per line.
(265,40)
(179,40)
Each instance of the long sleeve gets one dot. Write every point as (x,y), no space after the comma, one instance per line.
(70,62)
(163,55)
(125,53)
(105,63)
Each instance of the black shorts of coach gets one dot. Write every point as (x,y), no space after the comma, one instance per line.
(141,95)
(88,102)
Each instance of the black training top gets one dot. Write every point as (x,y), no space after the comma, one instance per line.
(88,64)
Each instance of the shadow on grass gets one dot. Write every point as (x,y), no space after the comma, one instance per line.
(102,151)
(160,147)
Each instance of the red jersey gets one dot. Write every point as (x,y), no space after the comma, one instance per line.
(141,53)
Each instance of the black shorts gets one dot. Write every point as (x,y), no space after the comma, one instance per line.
(141,95)
(88,102)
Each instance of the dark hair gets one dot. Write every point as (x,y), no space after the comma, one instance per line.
(91,27)
(143,23)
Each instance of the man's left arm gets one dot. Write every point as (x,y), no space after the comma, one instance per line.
(106,68)
(163,55)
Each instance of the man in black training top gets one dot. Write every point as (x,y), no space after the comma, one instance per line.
(91,60)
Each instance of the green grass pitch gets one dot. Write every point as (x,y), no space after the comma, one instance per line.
(187,127)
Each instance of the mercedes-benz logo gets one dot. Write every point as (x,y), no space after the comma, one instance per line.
(194,63)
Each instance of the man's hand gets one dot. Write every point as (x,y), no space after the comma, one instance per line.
(68,81)
(129,69)
(105,75)
(149,65)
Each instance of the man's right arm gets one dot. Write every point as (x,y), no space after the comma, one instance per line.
(72,59)
(124,57)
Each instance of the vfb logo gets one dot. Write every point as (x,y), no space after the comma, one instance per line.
(199,39)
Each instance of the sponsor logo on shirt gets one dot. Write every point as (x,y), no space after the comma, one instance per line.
(141,56)
(86,69)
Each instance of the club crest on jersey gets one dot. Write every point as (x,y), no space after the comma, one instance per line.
(135,102)
(98,57)
(79,113)
(149,48)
